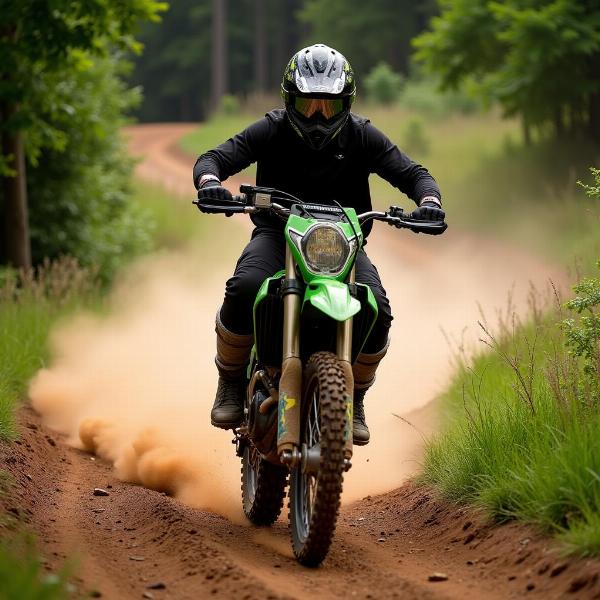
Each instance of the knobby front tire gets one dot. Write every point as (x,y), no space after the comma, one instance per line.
(314,499)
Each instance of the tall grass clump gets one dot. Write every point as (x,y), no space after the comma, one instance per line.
(523,425)
(30,302)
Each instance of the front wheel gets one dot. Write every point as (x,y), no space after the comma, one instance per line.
(263,487)
(316,484)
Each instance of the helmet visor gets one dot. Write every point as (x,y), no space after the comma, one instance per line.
(328,107)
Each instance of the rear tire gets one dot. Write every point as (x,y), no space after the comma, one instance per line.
(315,497)
(263,487)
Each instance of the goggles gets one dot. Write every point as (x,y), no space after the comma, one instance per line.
(328,107)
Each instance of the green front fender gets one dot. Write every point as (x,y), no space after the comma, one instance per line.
(332,298)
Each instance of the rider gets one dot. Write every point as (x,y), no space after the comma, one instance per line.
(319,151)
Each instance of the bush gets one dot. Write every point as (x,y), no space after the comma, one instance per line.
(383,85)
(80,201)
(583,334)
(229,105)
(423,95)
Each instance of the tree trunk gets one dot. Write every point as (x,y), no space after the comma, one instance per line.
(17,245)
(220,66)
(260,46)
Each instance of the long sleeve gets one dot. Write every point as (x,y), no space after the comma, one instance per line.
(388,161)
(235,154)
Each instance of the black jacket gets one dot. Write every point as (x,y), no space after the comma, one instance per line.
(340,171)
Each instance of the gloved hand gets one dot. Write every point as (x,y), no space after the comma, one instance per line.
(212,192)
(428,211)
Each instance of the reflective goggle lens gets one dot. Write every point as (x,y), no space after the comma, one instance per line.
(328,108)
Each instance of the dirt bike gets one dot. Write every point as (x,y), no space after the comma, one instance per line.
(310,322)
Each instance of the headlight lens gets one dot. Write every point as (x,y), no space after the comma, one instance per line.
(326,249)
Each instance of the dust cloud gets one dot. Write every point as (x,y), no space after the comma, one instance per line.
(136,386)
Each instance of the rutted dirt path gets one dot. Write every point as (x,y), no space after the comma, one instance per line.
(135,543)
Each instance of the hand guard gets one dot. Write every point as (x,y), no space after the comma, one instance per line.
(428,211)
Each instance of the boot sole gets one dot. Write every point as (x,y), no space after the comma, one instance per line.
(221,425)
(356,442)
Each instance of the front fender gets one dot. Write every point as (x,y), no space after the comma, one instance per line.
(332,298)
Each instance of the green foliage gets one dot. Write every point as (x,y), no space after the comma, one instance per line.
(383,85)
(38,45)
(230,105)
(583,334)
(30,303)
(79,193)
(521,436)
(22,574)
(538,59)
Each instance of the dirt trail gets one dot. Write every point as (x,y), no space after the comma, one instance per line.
(386,546)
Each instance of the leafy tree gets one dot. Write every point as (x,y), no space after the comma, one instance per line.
(79,193)
(539,59)
(38,42)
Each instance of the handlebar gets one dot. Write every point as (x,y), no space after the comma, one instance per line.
(255,198)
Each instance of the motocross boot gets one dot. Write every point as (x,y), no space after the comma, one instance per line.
(364,376)
(360,431)
(233,353)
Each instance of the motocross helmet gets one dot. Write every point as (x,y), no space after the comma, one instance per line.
(318,90)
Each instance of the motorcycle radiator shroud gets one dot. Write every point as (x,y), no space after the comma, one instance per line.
(317,330)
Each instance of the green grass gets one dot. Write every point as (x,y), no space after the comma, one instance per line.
(30,304)
(521,436)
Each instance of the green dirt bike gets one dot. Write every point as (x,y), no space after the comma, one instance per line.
(310,322)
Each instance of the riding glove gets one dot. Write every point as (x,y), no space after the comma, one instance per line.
(428,211)
(212,192)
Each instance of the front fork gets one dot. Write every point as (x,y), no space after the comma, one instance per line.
(290,384)
(344,354)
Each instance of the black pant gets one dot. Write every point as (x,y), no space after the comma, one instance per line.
(263,257)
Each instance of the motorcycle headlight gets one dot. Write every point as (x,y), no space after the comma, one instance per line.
(325,248)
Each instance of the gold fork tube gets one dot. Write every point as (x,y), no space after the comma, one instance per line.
(344,354)
(291,313)
(290,383)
